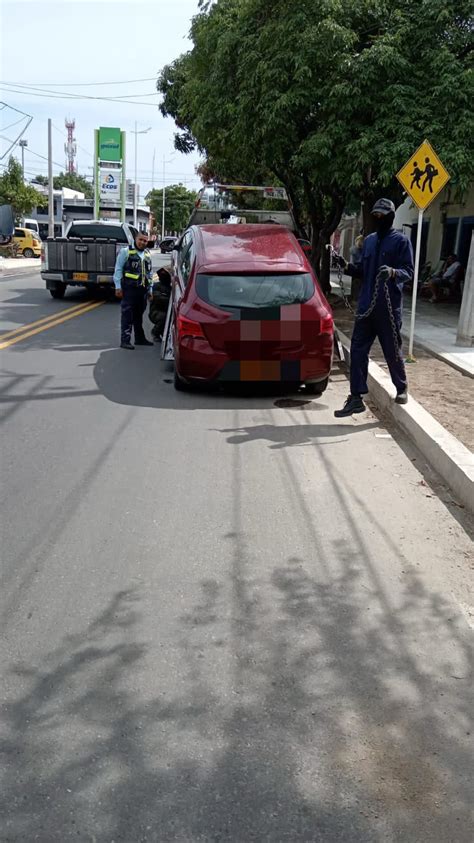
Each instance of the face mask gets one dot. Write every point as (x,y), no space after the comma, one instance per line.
(384,224)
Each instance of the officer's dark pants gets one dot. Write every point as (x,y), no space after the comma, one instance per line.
(366,331)
(133,307)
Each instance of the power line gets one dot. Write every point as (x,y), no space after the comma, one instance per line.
(30,150)
(83,84)
(45,94)
(10,125)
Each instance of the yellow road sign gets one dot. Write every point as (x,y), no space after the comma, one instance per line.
(423,175)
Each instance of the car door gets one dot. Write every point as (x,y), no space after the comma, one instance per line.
(182,270)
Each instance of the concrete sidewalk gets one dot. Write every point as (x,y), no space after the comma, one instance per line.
(15,266)
(435,329)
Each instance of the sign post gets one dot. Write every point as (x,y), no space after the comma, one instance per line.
(109,167)
(422,176)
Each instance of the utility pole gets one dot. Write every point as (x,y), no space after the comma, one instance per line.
(163,213)
(22,144)
(135,191)
(135,186)
(50,181)
(153,171)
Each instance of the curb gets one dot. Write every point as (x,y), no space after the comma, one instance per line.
(426,346)
(449,457)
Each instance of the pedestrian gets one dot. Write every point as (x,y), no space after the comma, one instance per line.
(133,280)
(160,302)
(386,265)
(445,280)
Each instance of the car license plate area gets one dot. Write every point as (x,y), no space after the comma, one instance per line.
(80,276)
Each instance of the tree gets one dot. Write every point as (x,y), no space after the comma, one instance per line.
(75,182)
(179,202)
(13,191)
(331,96)
(42,180)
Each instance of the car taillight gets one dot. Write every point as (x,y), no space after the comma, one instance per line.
(189,328)
(327,324)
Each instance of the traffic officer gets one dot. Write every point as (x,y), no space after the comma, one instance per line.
(386,264)
(133,284)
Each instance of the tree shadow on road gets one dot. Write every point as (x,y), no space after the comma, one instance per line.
(299,700)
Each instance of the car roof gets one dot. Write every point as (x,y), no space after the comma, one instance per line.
(248,248)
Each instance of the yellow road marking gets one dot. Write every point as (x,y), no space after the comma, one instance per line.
(50,318)
(58,321)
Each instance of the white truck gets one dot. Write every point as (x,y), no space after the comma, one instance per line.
(85,256)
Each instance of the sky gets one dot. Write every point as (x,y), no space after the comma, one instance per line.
(62,47)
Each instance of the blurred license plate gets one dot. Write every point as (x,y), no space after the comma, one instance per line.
(80,276)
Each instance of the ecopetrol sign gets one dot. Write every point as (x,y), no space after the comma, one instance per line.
(110,144)
(110,183)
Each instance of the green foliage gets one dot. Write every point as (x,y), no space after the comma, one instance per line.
(179,202)
(13,191)
(74,182)
(329,96)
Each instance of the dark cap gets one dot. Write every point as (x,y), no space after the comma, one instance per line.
(383,206)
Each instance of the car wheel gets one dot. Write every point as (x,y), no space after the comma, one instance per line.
(316,388)
(58,292)
(28,253)
(179,384)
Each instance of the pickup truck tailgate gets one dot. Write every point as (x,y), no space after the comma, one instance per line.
(83,255)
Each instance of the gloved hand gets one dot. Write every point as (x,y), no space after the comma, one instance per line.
(385,273)
(340,261)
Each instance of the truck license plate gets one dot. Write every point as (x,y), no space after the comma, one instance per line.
(80,276)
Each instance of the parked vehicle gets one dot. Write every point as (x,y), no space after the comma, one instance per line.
(33,225)
(167,245)
(29,244)
(247,307)
(85,257)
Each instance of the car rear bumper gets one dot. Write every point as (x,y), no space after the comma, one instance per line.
(196,360)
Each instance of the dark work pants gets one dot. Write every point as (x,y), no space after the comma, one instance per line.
(133,307)
(366,331)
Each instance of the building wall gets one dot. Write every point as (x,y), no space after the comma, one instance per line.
(449,226)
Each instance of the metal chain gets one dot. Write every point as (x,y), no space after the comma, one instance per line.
(372,304)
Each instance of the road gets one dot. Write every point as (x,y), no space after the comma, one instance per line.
(224,617)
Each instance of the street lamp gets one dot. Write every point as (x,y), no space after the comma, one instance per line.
(23,143)
(135,190)
(164,193)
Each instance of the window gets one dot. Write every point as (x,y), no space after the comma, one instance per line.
(255,291)
(20,232)
(111,232)
(186,257)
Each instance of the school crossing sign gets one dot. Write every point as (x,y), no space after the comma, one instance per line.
(423,176)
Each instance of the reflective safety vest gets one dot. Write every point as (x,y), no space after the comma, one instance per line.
(136,269)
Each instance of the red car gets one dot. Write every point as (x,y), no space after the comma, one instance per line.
(247,307)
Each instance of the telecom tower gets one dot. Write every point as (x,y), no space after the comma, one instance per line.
(70,148)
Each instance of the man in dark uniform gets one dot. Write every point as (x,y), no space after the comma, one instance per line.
(386,265)
(133,281)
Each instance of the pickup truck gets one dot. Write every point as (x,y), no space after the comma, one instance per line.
(85,256)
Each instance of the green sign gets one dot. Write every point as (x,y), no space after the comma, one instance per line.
(110,144)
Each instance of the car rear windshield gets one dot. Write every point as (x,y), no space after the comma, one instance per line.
(255,291)
(111,232)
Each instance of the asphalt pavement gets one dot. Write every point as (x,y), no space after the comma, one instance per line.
(225,617)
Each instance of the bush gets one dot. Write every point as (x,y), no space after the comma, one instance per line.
(10,251)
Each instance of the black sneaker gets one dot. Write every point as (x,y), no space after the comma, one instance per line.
(354,404)
(127,345)
(143,342)
(402,398)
